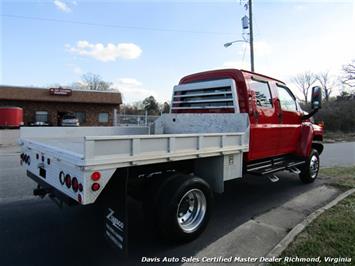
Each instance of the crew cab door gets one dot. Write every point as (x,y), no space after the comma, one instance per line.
(264,119)
(290,120)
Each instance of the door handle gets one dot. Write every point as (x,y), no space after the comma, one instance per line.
(279,112)
(256,114)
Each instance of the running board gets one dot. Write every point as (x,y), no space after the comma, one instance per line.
(268,167)
(295,170)
(273,178)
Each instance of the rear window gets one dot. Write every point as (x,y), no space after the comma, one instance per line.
(262,93)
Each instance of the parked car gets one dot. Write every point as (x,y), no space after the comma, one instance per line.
(39,124)
(70,121)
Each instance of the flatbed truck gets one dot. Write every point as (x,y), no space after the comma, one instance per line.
(223,125)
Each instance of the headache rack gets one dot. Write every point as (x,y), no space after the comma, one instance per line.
(216,94)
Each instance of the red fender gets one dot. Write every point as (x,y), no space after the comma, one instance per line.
(305,143)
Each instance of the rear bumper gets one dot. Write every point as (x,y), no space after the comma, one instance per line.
(52,191)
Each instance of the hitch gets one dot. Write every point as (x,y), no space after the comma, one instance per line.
(41,192)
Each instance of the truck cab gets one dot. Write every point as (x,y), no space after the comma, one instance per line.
(280,131)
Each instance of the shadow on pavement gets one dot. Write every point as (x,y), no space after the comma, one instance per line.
(36,232)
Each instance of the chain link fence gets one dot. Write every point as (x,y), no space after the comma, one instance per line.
(135,120)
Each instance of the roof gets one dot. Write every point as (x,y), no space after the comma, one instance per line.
(222,72)
(262,75)
(42,95)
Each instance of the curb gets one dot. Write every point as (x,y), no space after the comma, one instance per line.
(283,244)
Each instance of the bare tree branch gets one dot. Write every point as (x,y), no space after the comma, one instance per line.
(349,74)
(326,83)
(304,82)
(92,81)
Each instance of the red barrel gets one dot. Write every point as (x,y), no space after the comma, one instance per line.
(11,117)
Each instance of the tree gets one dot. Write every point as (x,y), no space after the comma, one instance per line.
(151,105)
(304,82)
(165,108)
(129,109)
(92,81)
(349,74)
(325,81)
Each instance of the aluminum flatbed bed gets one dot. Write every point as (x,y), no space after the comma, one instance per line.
(116,150)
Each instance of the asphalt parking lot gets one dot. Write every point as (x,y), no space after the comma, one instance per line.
(34,231)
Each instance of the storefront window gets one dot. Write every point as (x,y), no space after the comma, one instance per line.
(103,117)
(42,116)
(81,116)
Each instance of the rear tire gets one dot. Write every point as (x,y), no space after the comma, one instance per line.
(183,208)
(309,171)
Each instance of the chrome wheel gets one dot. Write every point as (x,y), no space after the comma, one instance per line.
(191,210)
(314,166)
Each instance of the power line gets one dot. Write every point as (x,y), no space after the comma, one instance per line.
(112,25)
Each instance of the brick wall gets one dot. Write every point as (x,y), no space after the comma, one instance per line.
(91,110)
(77,96)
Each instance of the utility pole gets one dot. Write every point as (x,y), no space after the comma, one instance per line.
(247,24)
(251,38)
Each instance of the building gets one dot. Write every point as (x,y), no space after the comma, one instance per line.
(92,108)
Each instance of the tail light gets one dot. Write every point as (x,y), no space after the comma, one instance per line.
(68,181)
(95,187)
(75,184)
(95,176)
(81,187)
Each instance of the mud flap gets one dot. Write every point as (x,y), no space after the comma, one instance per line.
(116,217)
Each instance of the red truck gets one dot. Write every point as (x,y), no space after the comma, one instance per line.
(278,125)
(223,124)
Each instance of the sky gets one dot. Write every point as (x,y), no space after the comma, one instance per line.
(145,47)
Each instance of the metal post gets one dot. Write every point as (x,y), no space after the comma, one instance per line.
(251,38)
(115,117)
(146,118)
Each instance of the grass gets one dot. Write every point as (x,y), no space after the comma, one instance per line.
(332,234)
(337,136)
(344,176)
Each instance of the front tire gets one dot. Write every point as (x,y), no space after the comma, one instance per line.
(184,207)
(310,170)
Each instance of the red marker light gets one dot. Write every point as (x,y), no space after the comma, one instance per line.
(95,187)
(95,176)
(75,184)
(68,181)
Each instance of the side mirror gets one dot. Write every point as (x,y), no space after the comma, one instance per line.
(316,101)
